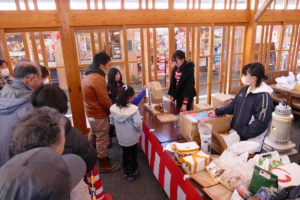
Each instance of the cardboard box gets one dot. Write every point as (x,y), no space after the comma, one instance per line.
(185,149)
(189,128)
(220,100)
(156,91)
(203,106)
(195,162)
(288,175)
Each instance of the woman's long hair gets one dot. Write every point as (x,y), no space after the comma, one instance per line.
(112,86)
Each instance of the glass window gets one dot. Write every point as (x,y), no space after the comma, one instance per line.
(136,76)
(215,88)
(241,4)
(298,63)
(133,44)
(205,4)
(78,4)
(7,5)
(218,30)
(291,4)
(219,4)
(272,60)
(239,39)
(204,40)
(84,48)
(162,46)
(202,93)
(203,69)
(276,37)
(216,68)
(114,37)
(287,37)
(46,4)
(161,4)
(258,38)
(235,84)
(30,5)
(180,38)
(15,47)
(284,58)
(180,4)
(131,4)
(1,56)
(113,4)
(279,4)
(53,49)
(236,67)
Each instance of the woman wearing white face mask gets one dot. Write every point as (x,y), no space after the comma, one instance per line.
(4,74)
(252,106)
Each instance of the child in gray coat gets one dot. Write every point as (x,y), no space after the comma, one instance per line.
(127,120)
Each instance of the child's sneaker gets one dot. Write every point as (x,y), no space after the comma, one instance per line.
(133,175)
(125,173)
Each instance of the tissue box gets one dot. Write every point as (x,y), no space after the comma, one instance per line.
(189,127)
(220,100)
(288,175)
(185,149)
(195,162)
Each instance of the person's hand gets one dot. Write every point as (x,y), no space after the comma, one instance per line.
(172,98)
(183,108)
(211,113)
(145,87)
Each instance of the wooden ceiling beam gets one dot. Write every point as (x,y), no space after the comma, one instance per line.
(263,8)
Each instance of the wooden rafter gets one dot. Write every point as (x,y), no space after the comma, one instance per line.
(263,8)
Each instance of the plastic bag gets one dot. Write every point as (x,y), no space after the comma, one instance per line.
(205,136)
(244,147)
(270,160)
(287,82)
(231,138)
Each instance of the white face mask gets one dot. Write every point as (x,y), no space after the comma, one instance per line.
(5,72)
(46,81)
(245,80)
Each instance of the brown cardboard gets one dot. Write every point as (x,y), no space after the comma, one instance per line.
(156,91)
(218,192)
(220,100)
(189,129)
(204,179)
(203,106)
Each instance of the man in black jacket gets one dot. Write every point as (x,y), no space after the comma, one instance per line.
(182,87)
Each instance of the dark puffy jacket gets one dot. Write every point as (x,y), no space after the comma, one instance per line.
(77,143)
(252,112)
(186,84)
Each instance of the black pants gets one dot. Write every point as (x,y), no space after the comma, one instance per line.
(111,131)
(189,105)
(130,157)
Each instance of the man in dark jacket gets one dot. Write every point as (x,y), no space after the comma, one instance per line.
(14,101)
(182,87)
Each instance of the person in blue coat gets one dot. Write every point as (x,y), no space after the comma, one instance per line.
(252,106)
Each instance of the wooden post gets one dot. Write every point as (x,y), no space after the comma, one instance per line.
(103,4)
(143,56)
(227,60)
(196,57)
(26,5)
(5,51)
(25,43)
(34,48)
(261,46)
(100,41)
(210,65)
(72,75)
(277,68)
(154,54)
(93,42)
(35,4)
(18,4)
(44,53)
(187,44)
(149,55)
(231,59)
(222,63)
(96,4)
(125,52)
(250,38)
(88,2)
(290,51)
(107,46)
